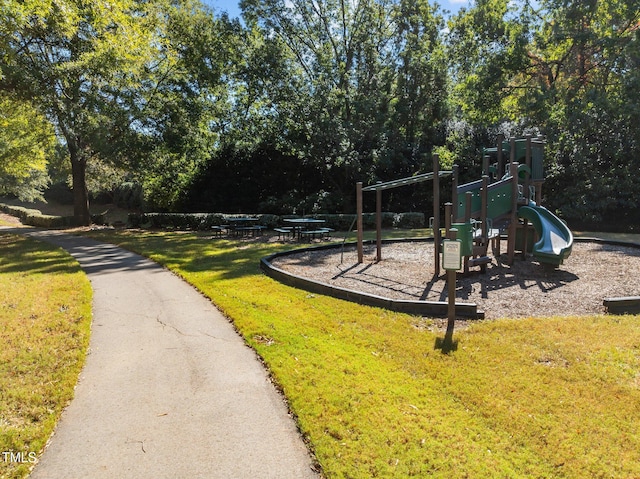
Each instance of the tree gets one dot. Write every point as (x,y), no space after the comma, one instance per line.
(80,63)
(364,107)
(584,58)
(487,45)
(568,69)
(26,141)
(185,112)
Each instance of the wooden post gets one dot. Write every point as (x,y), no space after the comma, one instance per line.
(454,192)
(525,187)
(484,196)
(512,154)
(527,181)
(500,172)
(378,225)
(436,214)
(467,219)
(447,218)
(451,292)
(359,220)
(511,241)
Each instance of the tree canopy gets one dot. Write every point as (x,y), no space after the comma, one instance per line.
(26,141)
(286,110)
(81,64)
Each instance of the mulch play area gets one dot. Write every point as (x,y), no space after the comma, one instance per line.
(594,271)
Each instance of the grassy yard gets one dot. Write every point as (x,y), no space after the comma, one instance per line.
(553,397)
(45,313)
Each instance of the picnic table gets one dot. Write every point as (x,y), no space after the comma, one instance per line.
(307,227)
(244,225)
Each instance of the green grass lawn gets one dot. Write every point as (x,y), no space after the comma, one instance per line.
(45,314)
(554,397)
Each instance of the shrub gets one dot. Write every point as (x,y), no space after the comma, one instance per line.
(269,220)
(204,221)
(35,218)
(136,220)
(128,195)
(409,220)
(47,221)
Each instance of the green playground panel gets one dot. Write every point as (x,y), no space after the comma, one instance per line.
(476,201)
(537,161)
(465,235)
(537,156)
(499,199)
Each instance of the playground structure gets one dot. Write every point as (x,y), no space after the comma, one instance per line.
(506,202)
(503,204)
(435,175)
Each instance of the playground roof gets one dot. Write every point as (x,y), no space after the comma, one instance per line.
(405,181)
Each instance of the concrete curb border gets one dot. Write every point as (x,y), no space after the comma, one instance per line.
(620,305)
(425,308)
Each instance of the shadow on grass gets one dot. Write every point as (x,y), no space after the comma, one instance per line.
(225,258)
(447,344)
(23,255)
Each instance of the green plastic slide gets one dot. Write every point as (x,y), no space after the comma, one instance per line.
(556,239)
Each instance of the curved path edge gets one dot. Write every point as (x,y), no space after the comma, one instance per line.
(169,388)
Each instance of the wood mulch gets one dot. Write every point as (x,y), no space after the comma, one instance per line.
(594,271)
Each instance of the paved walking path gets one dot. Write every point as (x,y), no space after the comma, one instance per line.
(169,389)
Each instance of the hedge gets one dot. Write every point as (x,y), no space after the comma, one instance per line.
(204,221)
(33,217)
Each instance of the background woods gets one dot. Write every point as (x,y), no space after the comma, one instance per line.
(284,111)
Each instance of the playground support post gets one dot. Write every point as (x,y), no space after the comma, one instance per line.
(527,160)
(513,223)
(378,225)
(500,156)
(454,191)
(512,154)
(359,220)
(484,198)
(436,214)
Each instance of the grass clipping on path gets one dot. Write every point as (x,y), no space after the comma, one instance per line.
(546,397)
(45,314)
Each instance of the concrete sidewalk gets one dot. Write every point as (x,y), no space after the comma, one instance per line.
(169,389)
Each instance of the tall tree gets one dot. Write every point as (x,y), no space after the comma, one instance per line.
(364,101)
(80,63)
(27,140)
(568,68)
(487,46)
(187,109)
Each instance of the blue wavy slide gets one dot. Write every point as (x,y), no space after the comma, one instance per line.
(556,239)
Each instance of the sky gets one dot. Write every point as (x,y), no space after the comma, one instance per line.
(231,6)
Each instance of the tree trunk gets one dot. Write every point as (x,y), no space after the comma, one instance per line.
(80,192)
